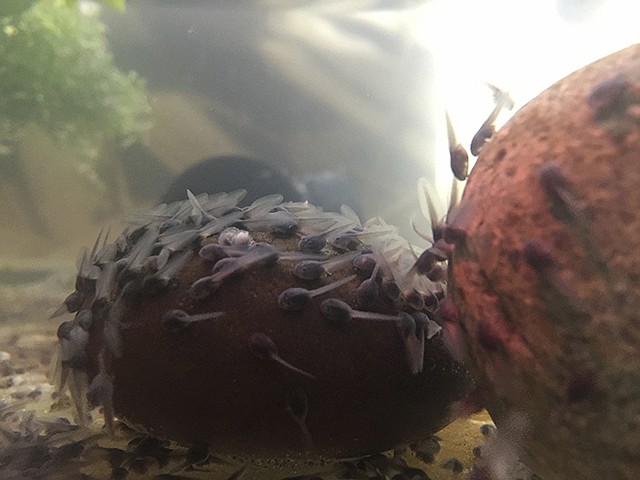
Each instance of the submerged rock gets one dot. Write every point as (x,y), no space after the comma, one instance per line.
(207,323)
(544,274)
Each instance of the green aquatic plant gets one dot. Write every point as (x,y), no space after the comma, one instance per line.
(57,73)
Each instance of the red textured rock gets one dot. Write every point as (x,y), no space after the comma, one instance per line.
(546,275)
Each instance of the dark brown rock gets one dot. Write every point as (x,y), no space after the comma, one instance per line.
(259,380)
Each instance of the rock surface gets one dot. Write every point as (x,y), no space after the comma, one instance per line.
(201,341)
(545,275)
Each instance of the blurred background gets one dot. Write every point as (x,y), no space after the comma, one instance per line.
(331,101)
(111,106)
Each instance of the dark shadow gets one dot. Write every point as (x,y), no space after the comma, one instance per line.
(226,173)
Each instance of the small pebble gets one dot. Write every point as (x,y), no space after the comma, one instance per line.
(487,430)
(427,449)
(5,364)
(454,465)
(34,393)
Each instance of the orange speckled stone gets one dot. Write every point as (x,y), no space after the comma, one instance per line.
(547,280)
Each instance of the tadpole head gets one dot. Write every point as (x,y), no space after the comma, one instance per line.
(73,302)
(335,311)
(100,390)
(153,285)
(309,270)
(263,346)
(459,162)
(367,293)
(425,262)
(312,243)
(607,98)
(538,256)
(294,298)
(175,320)
(553,178)
(64,330)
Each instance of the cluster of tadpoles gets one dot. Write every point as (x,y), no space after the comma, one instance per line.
(443,233)
(458,154)
(146,258)
(230,258)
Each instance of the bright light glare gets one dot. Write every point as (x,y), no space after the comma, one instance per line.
(522,46)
